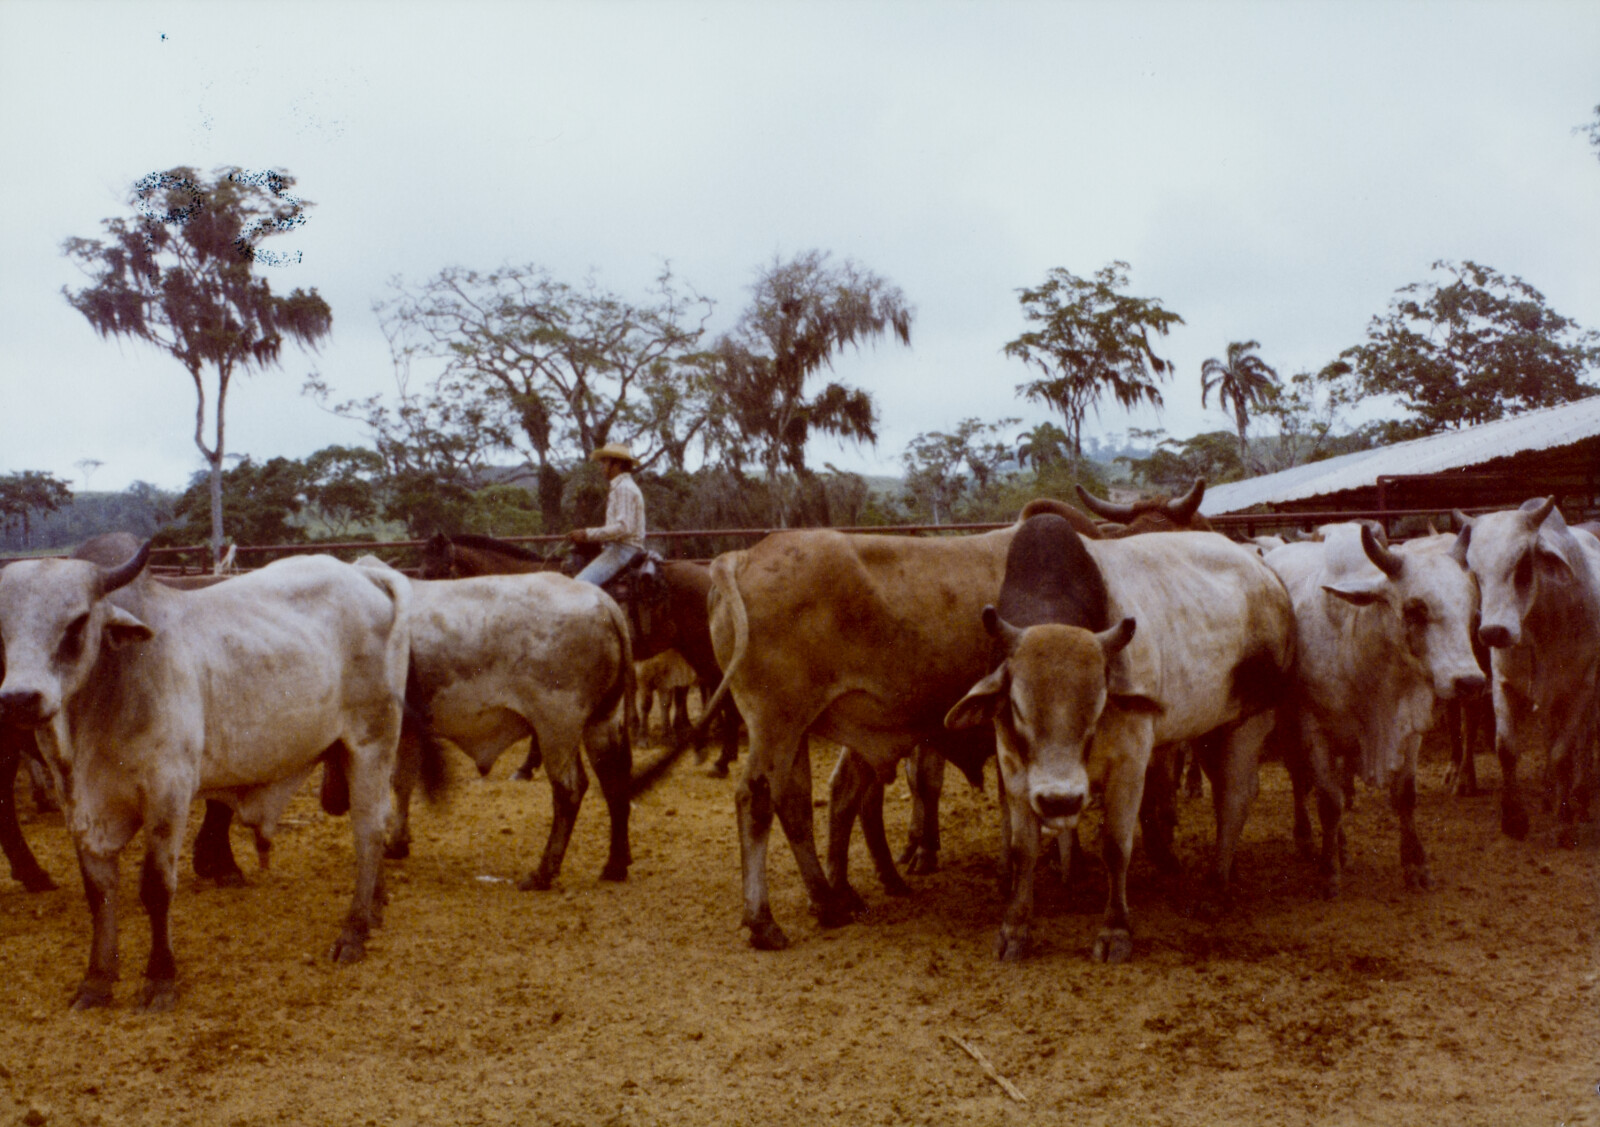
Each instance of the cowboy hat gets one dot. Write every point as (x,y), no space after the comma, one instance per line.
(614,450)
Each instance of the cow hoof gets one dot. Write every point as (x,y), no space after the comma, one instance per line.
(895,886)
(1329,887)
(1514,823)
(920,861)
(37,881)
(1011,945)
(92,996)
(397,850)
(1113,945)
(1419,879)
(838,913)
(348,949)
(536,882)
(615,871)
(768,936)
(522,776)
(719,770)
(159,996)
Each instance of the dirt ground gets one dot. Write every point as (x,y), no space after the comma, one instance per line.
(641,1003)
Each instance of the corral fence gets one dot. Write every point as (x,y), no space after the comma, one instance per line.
(702,544)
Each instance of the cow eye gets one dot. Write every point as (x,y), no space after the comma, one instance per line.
(72,639)
(1523,574)
(1415,612)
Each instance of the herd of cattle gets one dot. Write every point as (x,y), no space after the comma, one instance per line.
(1087,656)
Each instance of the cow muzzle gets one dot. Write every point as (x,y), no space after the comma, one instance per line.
(25,708)
(1497,637)
(1055,807)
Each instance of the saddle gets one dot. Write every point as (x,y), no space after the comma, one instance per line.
(640,591)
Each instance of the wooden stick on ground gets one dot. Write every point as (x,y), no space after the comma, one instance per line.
(989,1070)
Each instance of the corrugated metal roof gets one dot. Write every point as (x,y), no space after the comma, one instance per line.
(1544,429)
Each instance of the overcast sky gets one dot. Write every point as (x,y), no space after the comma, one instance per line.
(1270,171)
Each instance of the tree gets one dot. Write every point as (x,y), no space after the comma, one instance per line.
(1466,349)
(87,466)
(934,464)
(1175,463)
(1091,340)
(801,313)
(558,370)
(1244,380)
(261,502)
(24,494)
(1591,130)
(341,485)
(1044,445)
(181,277)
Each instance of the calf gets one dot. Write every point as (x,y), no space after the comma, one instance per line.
(142,697)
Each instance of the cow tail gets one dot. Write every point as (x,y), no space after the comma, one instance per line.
(725,584)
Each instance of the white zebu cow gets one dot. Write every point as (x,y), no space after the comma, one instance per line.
(142,697)
(1203,640)
(1381,634)
(500,658)
(1540,584)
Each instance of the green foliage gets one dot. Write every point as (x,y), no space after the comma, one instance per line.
(503,510)
(1091,340)
(341,487)
(801,313)
(944,470)
(260,504)
(1175,463)
(1308,422)
(1591,130)
(28,494)
(181,276)
(1042,446)
(1467,348)
(141,509)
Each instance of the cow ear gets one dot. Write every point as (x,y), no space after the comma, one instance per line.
(1357,595)
(123,629)
(1553,560)
(981,702)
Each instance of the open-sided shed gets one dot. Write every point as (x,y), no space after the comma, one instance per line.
(1555,450)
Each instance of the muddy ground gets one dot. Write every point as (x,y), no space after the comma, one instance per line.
(642,1003)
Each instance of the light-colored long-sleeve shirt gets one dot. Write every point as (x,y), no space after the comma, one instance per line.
(624,515)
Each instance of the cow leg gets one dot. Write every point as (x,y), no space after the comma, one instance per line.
(1234,788)
(1403,798)
(100,889)
(1124,788)
(24,866)
(877,838)
(1568,755)
(407,771)
(1303,786)
(730,738)
(43,792)
(1158,810)
(753,802)
(925,778)
(678,708)
(371,770)
(213,849)
(793,806)
(1022,863)
(531,763)
(1513,816)
(611,754)
(850,791)
(157,882)
(568,782)
(1460,725)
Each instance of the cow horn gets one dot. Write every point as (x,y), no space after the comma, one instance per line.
(1390,563)
(1537,516)
(1001,630)
(111,578)
(1461,518)
(1458,550)
(1107,510)
(1116,639)
(1182,509)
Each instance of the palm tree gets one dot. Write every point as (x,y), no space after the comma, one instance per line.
(1243,380)
(1042,445)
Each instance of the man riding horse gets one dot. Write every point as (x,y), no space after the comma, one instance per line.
(622,536)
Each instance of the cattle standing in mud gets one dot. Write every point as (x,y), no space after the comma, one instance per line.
(1203,640)
(1382,634)
(142,697)
(1540,586)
